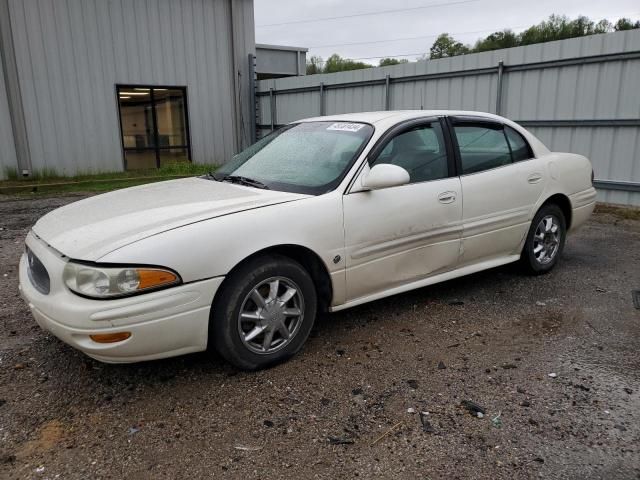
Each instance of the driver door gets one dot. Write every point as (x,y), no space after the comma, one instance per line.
(399,235)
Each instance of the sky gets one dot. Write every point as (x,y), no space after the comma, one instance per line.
(408,27)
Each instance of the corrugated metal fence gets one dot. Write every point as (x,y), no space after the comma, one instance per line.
(580,95)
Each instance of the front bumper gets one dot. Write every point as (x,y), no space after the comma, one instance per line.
(162,324)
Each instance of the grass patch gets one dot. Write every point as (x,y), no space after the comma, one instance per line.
(623,213)
(49,181)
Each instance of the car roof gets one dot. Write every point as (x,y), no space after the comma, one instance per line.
(386,119)
(396,116)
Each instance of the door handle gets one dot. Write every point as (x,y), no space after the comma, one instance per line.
(447,197)
(534,178)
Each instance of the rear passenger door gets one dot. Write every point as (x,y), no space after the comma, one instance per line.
(501,182)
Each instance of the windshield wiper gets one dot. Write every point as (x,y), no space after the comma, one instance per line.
(245,181)
(210,176)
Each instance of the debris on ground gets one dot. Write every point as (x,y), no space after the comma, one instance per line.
(525,403)
(496,421)
(426,425)
(386,433)
(340,441)
(628,390)
(441,365)
(509,366)
(246,448)
(553,375)
(413,384)
(473,407)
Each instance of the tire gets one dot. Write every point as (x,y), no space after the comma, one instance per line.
(246,343)
(537,261)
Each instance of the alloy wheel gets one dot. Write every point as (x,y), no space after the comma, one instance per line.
(546,240)
(271,315)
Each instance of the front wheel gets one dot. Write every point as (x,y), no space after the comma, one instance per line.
(545,240)
(263,313)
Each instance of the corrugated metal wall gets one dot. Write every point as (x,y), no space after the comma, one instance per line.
(70,54)
(552,97)
(8,157)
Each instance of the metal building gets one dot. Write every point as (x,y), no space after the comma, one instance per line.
(106,85)
(277,61)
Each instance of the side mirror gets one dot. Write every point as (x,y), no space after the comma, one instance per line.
(385,175)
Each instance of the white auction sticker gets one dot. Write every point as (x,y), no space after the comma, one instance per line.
(345,127)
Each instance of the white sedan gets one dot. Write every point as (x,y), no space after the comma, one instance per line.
(323,214)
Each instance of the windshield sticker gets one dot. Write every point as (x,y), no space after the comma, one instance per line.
(345,127)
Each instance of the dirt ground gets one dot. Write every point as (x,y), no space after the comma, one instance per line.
(492,338)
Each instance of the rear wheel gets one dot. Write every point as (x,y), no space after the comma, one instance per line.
(263,313)
(545,240)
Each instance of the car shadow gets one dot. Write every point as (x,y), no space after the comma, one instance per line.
(124,379)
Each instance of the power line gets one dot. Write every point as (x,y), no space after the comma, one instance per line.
(427,36)
(398,39)
(379,12)
(422,37)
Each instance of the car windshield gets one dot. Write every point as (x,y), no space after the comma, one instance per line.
(308,157)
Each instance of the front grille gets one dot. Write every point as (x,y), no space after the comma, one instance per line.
(38,273)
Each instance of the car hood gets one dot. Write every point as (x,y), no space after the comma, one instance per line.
(91,228)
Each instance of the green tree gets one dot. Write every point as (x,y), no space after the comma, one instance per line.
(314,65)
(497,40)
(335,63)
(603,26)
(446,46)
(626,24)
(385,62)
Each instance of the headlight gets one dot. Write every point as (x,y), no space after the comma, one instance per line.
(107,282)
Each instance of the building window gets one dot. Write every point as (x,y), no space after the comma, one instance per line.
(154,125)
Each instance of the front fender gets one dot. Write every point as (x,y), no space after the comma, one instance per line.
(213,247)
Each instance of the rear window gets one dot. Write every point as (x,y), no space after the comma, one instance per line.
(482,147)
(520,149)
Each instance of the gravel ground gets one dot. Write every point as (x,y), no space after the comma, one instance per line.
(493,338)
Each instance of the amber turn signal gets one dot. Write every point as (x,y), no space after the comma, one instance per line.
(155,278)
(110,337)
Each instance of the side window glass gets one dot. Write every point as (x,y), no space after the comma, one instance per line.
(420,151)
(481,147)
(520,149)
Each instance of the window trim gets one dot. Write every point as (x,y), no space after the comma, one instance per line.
(156,148)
